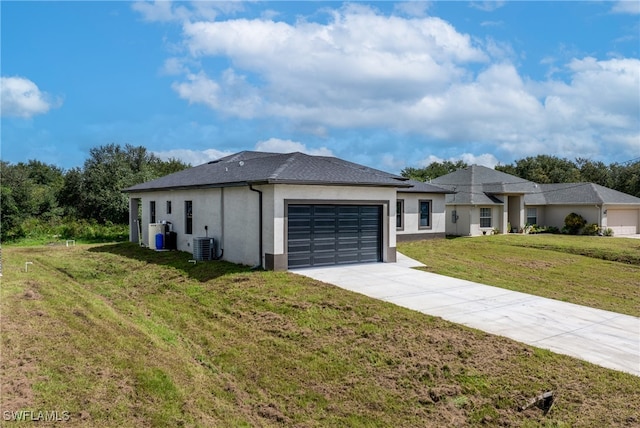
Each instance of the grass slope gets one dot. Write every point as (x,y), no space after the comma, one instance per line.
(122,336)
(593,271)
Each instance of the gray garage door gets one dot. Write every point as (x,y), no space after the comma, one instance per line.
(321,235)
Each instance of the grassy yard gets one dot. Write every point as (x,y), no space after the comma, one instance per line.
(593,271)
(122,336)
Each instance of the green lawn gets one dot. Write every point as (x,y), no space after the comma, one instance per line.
(118,335)
(599,272)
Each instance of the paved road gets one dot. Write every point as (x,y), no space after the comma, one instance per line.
(605,338)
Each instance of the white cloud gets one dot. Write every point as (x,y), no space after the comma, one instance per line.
(276,145)
(485,159)
(308,70)
(20,97)
(170,11)
(416,75)
(174,66)
(192,157)
(631,7)
(487,6)
(413,8)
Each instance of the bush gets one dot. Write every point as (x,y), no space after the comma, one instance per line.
(591,229)
(573,223)
(33,230)
(607,232)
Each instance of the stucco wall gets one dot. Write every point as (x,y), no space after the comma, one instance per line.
(554,214)
(231,215)
(461,227)
(411,214)
(232,222)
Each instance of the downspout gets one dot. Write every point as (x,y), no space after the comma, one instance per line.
(261,231)
(221,225)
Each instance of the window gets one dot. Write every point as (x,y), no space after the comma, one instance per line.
(532,216)
(425,214)
(152,211)
(188,217)
(168,207)
(485,217)
(400,214)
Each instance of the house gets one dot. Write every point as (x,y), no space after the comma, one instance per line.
(282,211)
(420,211)
(486,200)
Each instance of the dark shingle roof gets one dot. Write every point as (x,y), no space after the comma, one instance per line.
(421,187)
(478,185)
(258,167)
(580,193)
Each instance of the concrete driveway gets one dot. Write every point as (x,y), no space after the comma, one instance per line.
(605,338)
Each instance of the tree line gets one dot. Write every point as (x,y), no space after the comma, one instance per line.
(543,169)
(35,193)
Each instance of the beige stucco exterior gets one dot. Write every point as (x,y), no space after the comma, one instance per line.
(411,229)
(231,215)
(623,220)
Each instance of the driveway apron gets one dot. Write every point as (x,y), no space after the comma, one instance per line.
(601,337)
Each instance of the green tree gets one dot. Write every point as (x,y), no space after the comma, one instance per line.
(71,196)
(626,177)
(110,169)
(595,172)
(544,169)
(433,170)
(28,190)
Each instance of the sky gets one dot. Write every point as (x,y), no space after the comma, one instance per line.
(386,84)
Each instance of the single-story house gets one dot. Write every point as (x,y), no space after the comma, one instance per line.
(485,200)
(282,211)
(420,211)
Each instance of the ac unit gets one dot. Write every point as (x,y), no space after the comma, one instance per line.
(203,249)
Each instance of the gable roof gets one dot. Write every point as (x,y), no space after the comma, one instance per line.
(477,185)
(580,194)
(249,167)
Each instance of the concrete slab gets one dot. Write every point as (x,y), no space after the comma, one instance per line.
(605,338)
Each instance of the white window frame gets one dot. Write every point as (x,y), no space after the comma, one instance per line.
(533,216)
(484,210)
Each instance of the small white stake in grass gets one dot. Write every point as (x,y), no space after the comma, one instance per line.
(26,266)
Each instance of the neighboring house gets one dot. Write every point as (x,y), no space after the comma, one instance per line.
(487,200)
(283,211)
(420,212)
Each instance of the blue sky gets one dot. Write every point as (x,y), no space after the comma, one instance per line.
(386,84)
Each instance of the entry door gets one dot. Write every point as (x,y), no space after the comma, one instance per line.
(321,235)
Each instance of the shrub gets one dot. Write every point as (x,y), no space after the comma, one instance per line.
(607,232)
(573,223)
(591,229)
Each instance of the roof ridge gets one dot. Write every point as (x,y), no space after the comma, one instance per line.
(287,162)
(361,168)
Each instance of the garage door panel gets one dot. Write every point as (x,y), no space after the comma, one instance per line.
(320,235)
(623,222)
